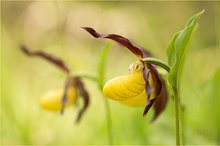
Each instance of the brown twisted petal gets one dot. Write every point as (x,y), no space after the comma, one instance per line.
(84,94)
(161,101)
(50,58)
(121,40)
(64,98)
(157,87)
(146,73)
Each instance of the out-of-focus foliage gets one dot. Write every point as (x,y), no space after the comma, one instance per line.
(55,27)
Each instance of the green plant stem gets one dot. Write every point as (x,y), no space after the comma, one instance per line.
(108,118)
(109,123)
(89,77)
(182,120)
(157,62)
(86,76)
(176,99)
(107,107)
(101,77)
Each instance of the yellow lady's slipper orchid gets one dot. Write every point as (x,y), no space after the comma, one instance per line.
(57,100)
(128,89)
(52,100)
(142,86)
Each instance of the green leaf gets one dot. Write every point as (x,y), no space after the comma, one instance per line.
(178,48)
(102,62)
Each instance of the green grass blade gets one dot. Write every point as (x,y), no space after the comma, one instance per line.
(101,65)
(178,48)
(101,79)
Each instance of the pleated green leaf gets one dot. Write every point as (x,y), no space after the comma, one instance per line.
(177,50)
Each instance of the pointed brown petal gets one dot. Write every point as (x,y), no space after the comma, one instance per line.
(50,58)
(121,40)
(148,106)
(146,73)
(156,79)
(84,94)
(161,101)
(92,32)
(64,98)
(157,88)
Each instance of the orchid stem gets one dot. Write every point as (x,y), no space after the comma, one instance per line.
(107,107)
(109,123)
(101,77)
(157,62)
(182,122)
(176,99)
(108,117)
(87,76)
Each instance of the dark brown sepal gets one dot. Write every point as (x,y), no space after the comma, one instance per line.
(64,98)
(146,73)
(161,101)
(156,87)
(149,104)
(121,40)
(48,57)
(85,96)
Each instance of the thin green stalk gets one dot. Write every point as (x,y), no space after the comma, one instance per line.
(182,118)
(107,106)
(108,117)
(101,77)
(109,121)
(182,123)
(176,99)
(157,62)
(87,76)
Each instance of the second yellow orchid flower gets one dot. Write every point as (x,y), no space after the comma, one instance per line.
(52,100)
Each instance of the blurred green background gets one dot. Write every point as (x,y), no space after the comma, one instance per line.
(54,26)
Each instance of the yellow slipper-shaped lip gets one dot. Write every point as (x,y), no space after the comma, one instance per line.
(52,100)
(128,89)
